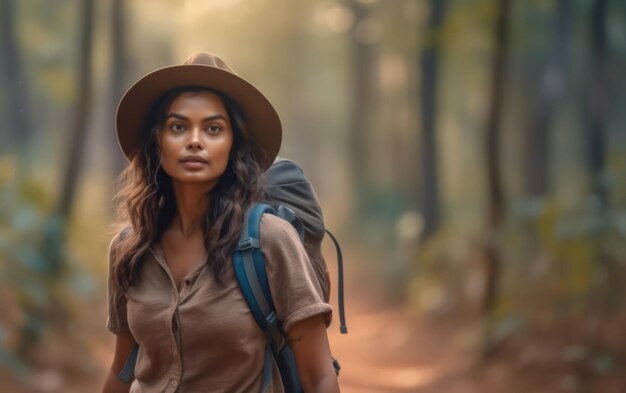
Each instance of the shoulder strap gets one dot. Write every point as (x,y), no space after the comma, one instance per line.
(249,267)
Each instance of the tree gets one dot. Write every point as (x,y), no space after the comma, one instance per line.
(495,212)
(607,269)
(428,93)
(363,58)
(552,85)
(55,227)
(598,101)
(19,126)
(118,72)
(81,114)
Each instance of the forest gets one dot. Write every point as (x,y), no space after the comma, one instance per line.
(469,155)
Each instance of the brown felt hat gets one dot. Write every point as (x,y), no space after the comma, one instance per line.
(201,69)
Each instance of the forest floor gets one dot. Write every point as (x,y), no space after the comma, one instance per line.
(390,349)
(387,349)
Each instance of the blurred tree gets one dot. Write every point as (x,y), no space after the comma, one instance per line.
(607,270)
(597,103)
(552,85)
(428,94)
(119,65)
(18,124)
(53,229)
(76,144)
(307,149)
(363,58)
(495,204)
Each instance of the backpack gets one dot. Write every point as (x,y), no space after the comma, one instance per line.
(295,201)
(289,192)
(289,195)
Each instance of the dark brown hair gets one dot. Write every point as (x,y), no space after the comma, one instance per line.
(146,202)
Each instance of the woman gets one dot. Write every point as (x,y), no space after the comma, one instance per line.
(198,138)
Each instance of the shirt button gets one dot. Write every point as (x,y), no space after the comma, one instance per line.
(174,383)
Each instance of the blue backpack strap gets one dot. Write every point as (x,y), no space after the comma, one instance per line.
(251,275)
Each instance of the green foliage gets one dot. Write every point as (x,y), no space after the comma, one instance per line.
(447,272)
(555,262)
(41,281)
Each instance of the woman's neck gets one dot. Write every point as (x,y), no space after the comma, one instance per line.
(192,201)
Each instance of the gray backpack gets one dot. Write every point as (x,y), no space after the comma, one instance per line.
(287,186)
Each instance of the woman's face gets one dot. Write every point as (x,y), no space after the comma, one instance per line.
(196,139)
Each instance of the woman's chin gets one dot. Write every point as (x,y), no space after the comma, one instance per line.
(195,178)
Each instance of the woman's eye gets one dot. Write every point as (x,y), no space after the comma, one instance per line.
(177,127)
(214,128)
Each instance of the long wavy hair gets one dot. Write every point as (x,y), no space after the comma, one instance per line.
(146,203)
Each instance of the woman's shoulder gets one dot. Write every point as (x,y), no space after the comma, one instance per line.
(277,227)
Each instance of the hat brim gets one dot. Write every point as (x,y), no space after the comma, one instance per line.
(261,118)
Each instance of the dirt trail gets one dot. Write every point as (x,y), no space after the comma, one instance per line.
(387,350)
(390,349)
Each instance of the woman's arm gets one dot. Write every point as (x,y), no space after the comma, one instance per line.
(310,346)
(123,345)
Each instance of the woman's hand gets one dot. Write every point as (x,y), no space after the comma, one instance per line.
(123,345)
(309,342)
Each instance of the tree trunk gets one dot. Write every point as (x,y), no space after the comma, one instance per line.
(307,149)
(118,72)
(76,143)
(495,211)
(55,228)
(14,84)
(363,57)
(536,174)
(429,62)
(607,270)
(598,102)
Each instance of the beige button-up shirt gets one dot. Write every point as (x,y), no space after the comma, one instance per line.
(203,338)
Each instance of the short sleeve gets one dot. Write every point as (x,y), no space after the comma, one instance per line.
(295,291)
(116,321)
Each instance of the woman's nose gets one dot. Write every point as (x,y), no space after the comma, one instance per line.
(194,141)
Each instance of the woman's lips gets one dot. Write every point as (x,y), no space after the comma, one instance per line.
(194,163)
(194,157)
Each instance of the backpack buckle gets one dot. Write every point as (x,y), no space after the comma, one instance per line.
(247,244)
(274,333)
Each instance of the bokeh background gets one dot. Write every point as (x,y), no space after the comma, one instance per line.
(470,155)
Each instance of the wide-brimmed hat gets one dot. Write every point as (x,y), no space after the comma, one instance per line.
(201,69)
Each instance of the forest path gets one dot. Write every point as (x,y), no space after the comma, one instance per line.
(389,349)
